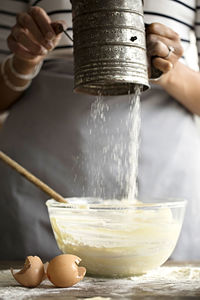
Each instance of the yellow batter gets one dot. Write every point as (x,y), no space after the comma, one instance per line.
(117,243)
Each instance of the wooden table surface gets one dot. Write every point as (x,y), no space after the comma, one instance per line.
(136,288)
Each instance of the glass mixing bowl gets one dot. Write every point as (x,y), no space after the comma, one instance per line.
(117,238)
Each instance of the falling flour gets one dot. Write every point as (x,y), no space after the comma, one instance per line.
(114,150)
(133,149)
(98,118)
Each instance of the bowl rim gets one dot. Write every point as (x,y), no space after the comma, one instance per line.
(170,202)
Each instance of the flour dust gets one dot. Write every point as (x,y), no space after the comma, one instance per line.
(114,128)
(133,128)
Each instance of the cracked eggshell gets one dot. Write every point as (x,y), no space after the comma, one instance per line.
(63,270)
(32,273)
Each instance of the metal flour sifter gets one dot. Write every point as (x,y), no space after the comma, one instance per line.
(109,46)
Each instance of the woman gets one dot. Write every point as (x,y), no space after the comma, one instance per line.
(47,129)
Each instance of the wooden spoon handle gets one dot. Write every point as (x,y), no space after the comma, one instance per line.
(43,186)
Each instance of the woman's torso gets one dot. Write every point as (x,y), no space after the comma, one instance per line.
(46,132)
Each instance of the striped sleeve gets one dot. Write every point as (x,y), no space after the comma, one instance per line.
(8,11)
(197,28)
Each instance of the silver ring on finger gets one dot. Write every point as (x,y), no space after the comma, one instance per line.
(171,50)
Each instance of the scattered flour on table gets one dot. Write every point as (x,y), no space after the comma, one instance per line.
(97,298)
(171,273)
(165,280)
(170,281)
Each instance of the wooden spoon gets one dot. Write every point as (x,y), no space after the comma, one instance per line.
(43,186)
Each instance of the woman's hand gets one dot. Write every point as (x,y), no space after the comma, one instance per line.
(178,80)
(30,40)
(33,36)
(160,39)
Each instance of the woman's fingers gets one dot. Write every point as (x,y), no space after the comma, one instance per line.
(23,38)
(157,48)
(163,47)
(162,64)
(18,49)
(162,30)
(155,45)
(43,22)
(161,50)
(39,25)
(34,34)
(27,22)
